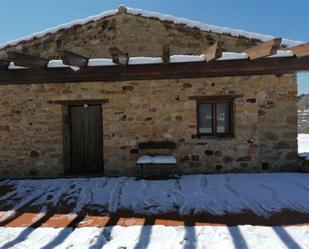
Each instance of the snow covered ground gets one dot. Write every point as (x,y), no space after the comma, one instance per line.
(303,145)
(217,194)
(157,237)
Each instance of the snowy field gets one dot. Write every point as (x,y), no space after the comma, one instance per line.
(157,237)
(217,194)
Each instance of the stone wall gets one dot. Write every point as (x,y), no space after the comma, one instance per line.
(31,139)
(137,35)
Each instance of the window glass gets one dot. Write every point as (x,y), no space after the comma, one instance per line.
(223,117)
(205,118)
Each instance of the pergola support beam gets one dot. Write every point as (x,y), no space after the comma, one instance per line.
(4,64)
(300,50)
(26,60)
(73,59)
(264,49)
(265,66)
(213,52)
(118,56)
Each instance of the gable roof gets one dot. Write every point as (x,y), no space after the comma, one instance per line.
(162,17)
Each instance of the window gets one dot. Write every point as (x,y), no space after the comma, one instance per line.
(214,117)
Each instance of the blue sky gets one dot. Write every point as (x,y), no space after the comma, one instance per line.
(281,18)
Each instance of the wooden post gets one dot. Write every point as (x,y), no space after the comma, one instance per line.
(166,54)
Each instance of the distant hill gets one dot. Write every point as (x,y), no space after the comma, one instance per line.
(303,113)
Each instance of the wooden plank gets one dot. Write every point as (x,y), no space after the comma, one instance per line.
(80,102)
(26,60)
(264,66)
(118,56)
(166,54)
(264,49)
(77,139)
(157,145)
(93,139)
(216,97)
(73,59)
(213,52)
(300,50)
(4,64)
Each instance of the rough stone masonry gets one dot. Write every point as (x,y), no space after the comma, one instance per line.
(265,117)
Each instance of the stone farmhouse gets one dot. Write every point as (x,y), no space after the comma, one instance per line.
(82,97)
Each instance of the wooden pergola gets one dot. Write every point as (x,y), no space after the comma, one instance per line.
(258,63)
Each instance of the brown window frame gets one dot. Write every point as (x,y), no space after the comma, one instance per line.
(214,101)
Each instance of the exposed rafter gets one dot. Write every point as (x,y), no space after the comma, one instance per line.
(118,56)
(219,68)
(26,60)
(213,52)
(73,59)
(166,54)
(264,49)
(300,50)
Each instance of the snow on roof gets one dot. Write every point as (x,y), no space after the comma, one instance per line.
(162,17)
(233,56)
(94,62)
(186,58)
(144,60)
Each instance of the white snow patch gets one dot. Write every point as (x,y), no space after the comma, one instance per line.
(303,145)
(56,64)
(157,236)
(262,194)
(59,64)
(163,17)
(233,56)
(161,159)
(169,159)
(282,53)
(100,62)
(13,66)
(144,159)
(186,58)
(145,60)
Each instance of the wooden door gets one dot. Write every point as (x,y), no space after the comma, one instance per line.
(86,139)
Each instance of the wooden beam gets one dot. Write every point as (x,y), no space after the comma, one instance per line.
(216,97)
(26,60)
(118,56)
(4,64)
(80,102)
(300,50)
(264,49)
(213,52)
(166,53)
(73,59)
(221,68)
